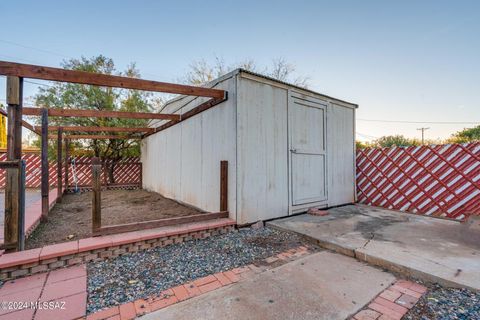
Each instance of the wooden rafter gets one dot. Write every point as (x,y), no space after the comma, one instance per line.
(82,77)
(24,123)
(31,111)
(97,129)
(198,109)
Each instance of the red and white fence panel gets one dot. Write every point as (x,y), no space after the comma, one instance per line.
(437,180)
(126,171)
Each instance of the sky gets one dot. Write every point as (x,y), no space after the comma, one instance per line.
(412,61)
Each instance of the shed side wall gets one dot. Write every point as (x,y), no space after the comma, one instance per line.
(262,156)
(183,161)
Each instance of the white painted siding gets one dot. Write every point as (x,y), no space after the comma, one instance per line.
(340,154)
(262,155)
(183,161)
(250,130)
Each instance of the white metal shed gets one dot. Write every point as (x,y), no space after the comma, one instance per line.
(288,150)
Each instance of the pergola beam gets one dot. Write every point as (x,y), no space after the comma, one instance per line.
(87,136)
(82,77)
(31,111)
(97,129)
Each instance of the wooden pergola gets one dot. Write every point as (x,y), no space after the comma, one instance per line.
(16,72)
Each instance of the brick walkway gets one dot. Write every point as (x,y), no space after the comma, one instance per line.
(65,290)
(394,302)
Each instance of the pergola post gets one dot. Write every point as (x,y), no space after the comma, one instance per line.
(223,185)
(44,158)
(67,161)
(59,165)
(13,189)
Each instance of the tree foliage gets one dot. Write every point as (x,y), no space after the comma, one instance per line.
(202,72)
(86,97)
(395,140)
(466,135)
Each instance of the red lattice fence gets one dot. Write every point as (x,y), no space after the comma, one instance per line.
(127,171)
(441,180)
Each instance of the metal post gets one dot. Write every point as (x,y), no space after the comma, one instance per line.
(59,165)
(44,157)
(96,194)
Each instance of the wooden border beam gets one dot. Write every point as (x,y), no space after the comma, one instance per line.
(32,111)
(97,129)
(113,229)
(104,137)
(82,77)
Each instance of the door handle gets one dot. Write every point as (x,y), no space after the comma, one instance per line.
(293,150)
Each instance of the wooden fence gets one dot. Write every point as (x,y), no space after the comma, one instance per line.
(438,180)
(127,171)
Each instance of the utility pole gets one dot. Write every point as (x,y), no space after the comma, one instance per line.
(423,129)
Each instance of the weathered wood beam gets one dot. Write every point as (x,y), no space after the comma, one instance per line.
(87,136)
(13,187)
(223,185)
(158,223)
(59,165)
(198,109)
(82,77)
(31,111)
(98,129)
(45,185)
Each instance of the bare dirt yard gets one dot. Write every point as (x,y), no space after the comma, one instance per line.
(72,218)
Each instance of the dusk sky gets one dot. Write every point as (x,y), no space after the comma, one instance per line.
(400,61)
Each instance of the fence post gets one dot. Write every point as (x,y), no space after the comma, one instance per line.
(223,185)
(14,152)
(96,194)
(44,156)
(59,165)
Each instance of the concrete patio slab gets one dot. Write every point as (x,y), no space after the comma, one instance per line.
(436,250)
(323,285)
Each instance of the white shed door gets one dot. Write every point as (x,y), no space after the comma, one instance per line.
(307,150)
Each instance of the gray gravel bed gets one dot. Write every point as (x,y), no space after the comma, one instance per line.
(442,303)
(147,273)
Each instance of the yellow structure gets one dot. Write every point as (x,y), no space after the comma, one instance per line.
(3,132)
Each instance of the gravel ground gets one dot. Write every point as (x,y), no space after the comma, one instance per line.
(446,304)
(143,274)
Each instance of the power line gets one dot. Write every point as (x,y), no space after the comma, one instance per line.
(421,122)
(33,48)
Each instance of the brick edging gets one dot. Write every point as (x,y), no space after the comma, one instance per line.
(394,302)
(24,263)
(140,307)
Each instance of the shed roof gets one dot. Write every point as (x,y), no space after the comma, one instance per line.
(240,70)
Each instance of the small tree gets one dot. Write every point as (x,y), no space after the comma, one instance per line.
(396,140)
(466,135)
(202,72)
(361,145)
(78,96)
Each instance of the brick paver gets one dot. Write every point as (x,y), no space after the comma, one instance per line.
(62,294)
(394,302)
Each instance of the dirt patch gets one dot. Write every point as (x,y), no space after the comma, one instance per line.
(72,219)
